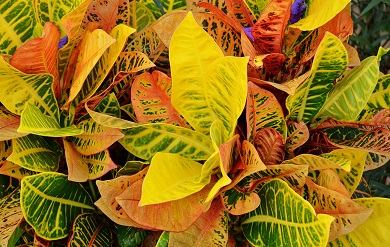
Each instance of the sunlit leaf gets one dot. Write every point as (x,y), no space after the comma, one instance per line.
(310,230)
(132,61)
(319,163)
(87,231)
(269,144)
(60,199)
(36,153)
(263,110)
(13,170)
(9,123)
(210,229)
(11,214)
(329,63)
(239,11)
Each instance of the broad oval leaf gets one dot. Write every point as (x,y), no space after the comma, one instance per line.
(36,153)
(330,61)
(9,123)
(60,199)
(330,180)
(87,231)
(318,13)
(259,225)
(151,99)
(263,110)
(146,140)
(350,95)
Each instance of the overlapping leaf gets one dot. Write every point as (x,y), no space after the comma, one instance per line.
(11,214)
(308,230)
(239,11)
(381,94)
(330,180)
(297,135)
(5,150)
(60,199)
(77,167)
(140,16)
(319,163)
(329,63)
(9,123)
(104,13)
(269,144)
(256,6)
(13,170)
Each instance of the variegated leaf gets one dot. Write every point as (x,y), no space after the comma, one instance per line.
(146,140)
(130,62)
(129,109)
(60,199)
(109,105)
(210,229)
(381,94)
(151,5)
(319,163)
(350,95)
(77,166)
(11,215)
(5,150)
(330,180)
(256,6)
(263,110)
(110,121)
(277,212)
(20,89)
(17,24)
(329,63)
(374,161)
(269,144)
(347,213)
(297,135)
(238,202)
(36,153)
(35,122)
(132,167)
(87,231)
(9,123)
(140,16)
(239,11)
(151,99)
(103,13)
(13,170)
(99,164)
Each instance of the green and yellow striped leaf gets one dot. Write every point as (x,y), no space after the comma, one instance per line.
(95,137)
(205,85)
(256,6)
(151,100)
(20,89)
(140,16)
(87,231)
(146,140)
(210,229)
(9,123)
(278,211)
(129,236)
(5,150)
(129,109)
(36,153)
(350,95)
(163,240)
(17,24)
(13,170)
(330,61)
(319,12)
(33,121)
(110,121)
(380,96)
(60,199)
(11,215)
(373,232)
(263,110)
(99,164)
(316,162)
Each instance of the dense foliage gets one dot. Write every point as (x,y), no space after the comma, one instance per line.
(189,123)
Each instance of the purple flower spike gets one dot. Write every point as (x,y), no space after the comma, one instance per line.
(248,31)
(63,42)
(297,10)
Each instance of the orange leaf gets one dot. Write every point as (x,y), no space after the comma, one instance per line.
(151,99)
(330,180)
(39,55)
(9,123)
(240,12)
(77,167)
(297,135)
(271,25)
(103,12)
(269,144)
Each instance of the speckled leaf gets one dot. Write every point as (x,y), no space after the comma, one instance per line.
(316,162)
(210,229)
(33,121)
(132,61)
(374,161)
(36,153)
(104,13)
(13,170)
(350,95)
(151,99)
(373,232)
(146,140)
(11,215)
(9,123)
(256,6)
(60,199)
(5,150)
(87,231)
(110,121)
(263,110)
(239,11)
(308,230)
(269,144)
(95,137)
(19,88)
(318,13)
(329,179)
(297,135)
(99,164)
(330,61)
(268,32)
(347,213)
(237,202)
(17,24)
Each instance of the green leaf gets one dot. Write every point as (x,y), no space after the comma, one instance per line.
(318,13)
(60,199)
(205,85)
(36,153)
(373,232)
(87,231)
(380,97)
(163,240)
(17,24)
(140,16)
(20,89)
(256,6)
(275,217)
(129,236)
(34,122)
(330,61)
(146,140)
(11,214)
(350,95)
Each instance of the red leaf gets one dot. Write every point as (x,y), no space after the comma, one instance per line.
(239,11)
(271,25)
(269,144)
(103,12)
(273,63)
(218,12)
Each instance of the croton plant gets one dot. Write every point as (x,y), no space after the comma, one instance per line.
(188,123)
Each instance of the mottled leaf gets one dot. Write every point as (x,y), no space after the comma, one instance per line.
(13,170)
(140,16)
(330,180)
(11,215)
(5,150)
(104,13)
(297,135)
(319,163)
(9,123)
(77,166)
(256,6)
(269,144)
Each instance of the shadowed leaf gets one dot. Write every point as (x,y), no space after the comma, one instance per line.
(297,135)
(13,170)
(11,215)
(9,123)
(269,144)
